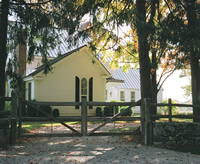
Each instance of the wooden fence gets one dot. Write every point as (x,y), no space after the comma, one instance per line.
(17,119)
(84,119)
(148,134)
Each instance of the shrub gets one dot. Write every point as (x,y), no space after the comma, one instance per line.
(108,111)
(165,109)
(30,112)
(45,108)
(128,112)
(99,111)
(56,113)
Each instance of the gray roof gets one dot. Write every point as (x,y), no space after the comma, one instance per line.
(131,78)
(111,79)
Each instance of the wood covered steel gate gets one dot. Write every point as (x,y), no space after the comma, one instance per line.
(84,119)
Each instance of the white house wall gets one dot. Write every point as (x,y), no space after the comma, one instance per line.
(32,89)
(113,93)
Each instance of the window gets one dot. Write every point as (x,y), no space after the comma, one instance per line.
(84,87)
(29,92)
(90,91)
(132,96)
(77,90)
(122,96)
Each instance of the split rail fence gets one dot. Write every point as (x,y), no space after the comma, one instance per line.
(148,134)
(17,119)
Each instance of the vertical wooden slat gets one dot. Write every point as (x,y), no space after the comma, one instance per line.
(150,133)
(147,121)
(84,116)
(20,116)
(170,110)
(13,136)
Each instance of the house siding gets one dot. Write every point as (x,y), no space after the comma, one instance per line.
(60,84)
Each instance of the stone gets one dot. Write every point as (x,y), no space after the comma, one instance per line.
(166,133)
(158,144)
(170,129)
(170,144)
(157,129)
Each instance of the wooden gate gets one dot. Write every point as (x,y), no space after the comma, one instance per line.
(84,119)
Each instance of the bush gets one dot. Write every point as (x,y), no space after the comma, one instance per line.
(30,112)
(128,112)
(56,113)
(108,111)
(99,111)
(46,109)
(165,109)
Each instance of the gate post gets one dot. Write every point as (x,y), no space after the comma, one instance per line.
(13,118)
(170,109)
(148,128)
(84,116)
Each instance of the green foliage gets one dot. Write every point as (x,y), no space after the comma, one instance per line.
(7,106)
(99,111)
(165,109)
(188,91)
(46,109)
(109,110)
(56,113)
(128,112)
(32,112)
(16,80)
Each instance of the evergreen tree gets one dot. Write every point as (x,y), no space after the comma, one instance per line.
(39,21)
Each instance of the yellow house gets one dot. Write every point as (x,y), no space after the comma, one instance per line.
(75,74)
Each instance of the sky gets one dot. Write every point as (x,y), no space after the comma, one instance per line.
(172,87)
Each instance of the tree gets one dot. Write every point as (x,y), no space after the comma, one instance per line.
(39,21)
(189,45)
(194,54)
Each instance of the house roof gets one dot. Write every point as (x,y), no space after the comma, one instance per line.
(111,79)
(63,46)
(41,68)
(131,78)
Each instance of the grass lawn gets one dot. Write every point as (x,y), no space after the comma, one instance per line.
(175,120)
(28,126)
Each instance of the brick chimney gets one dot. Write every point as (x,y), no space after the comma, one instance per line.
(20,53)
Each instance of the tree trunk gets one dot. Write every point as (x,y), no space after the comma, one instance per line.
(194,59)
(3,50)
(154,88)
(144,60)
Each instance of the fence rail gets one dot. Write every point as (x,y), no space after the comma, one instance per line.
(170,115)
(5,98)
(149,118)
(83,118)
(77,118)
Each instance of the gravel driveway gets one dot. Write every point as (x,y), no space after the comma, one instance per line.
(91,150)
